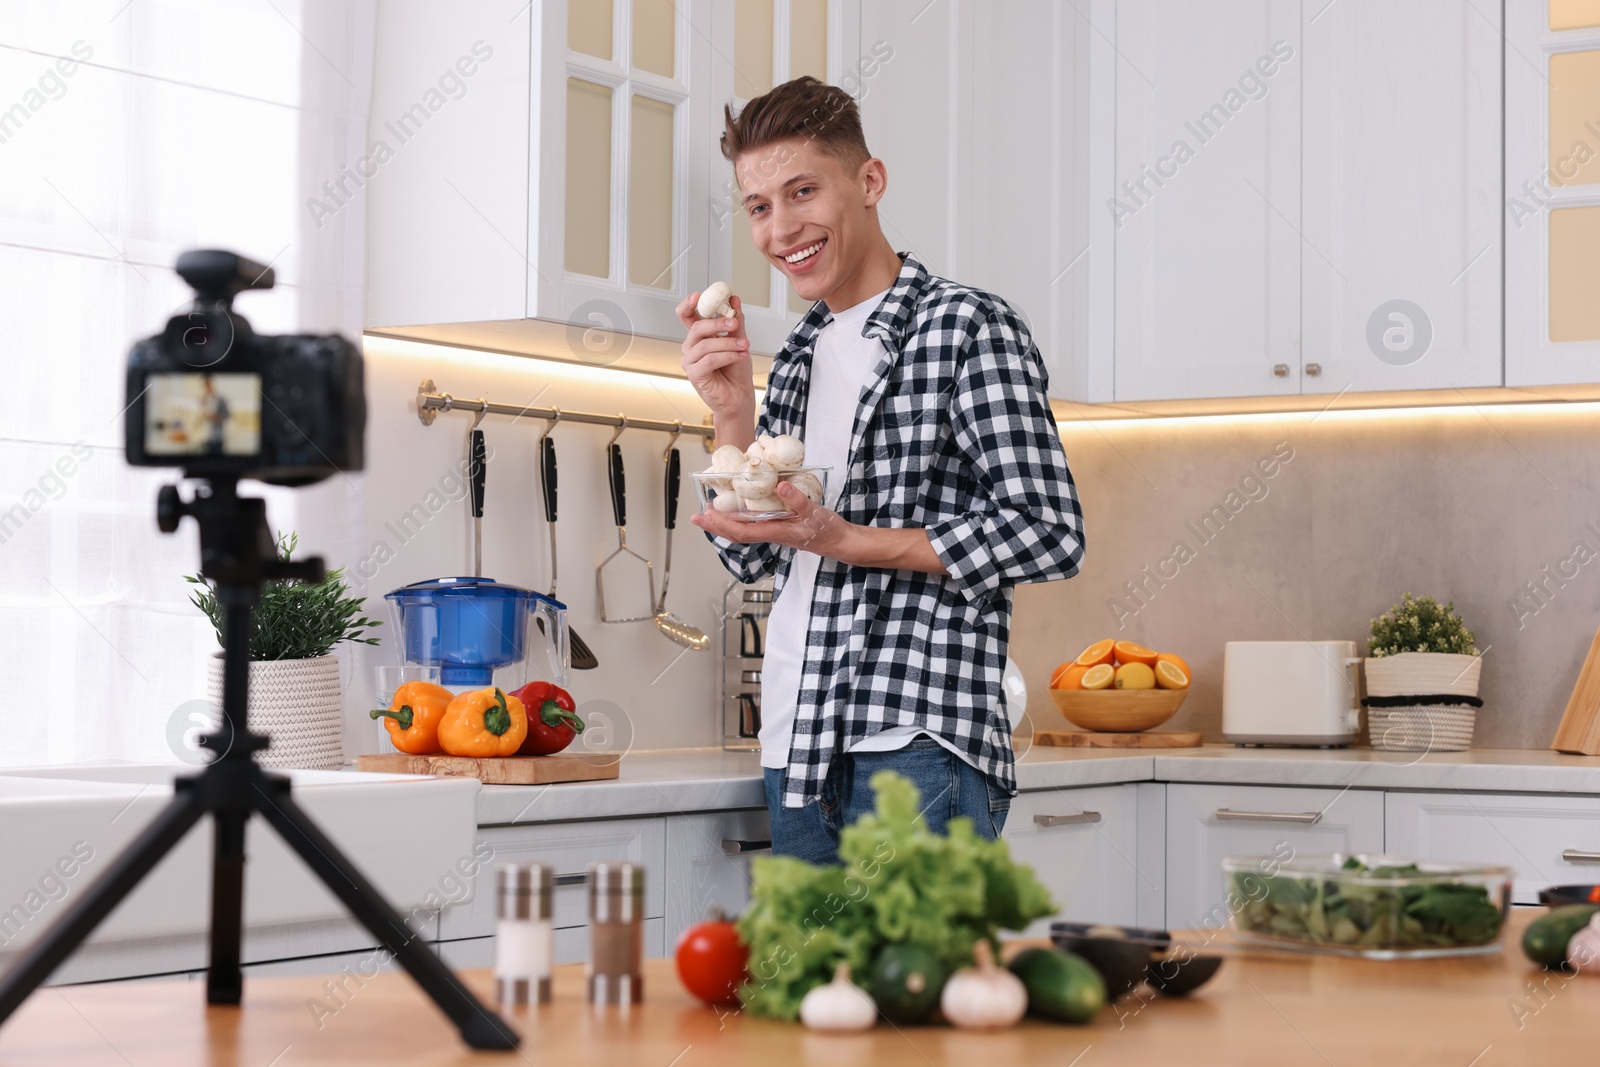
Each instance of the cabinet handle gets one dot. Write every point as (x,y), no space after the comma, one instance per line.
(1313,369)
(571,879)
(1272,816)
(736,847)
(1578,855)
(1067,820)
(1280,370)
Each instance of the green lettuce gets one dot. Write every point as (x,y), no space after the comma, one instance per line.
(898,882)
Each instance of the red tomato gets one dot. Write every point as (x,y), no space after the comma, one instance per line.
(711,962)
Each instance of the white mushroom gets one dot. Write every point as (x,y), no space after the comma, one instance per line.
(714,303)
(756,479)
(728,458)
(807,483)
(763,503)
(784,451)
(726,500)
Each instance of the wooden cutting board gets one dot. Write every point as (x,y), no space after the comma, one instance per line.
(507,770)
(1580,724)
(1147,739)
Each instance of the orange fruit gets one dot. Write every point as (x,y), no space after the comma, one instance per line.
(1068,676)
(1098,677)
(1096,654)
(1135,676)
(1055,675)
(1170,676)
(1176,660)
(1128,652)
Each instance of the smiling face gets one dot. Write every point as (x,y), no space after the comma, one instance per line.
(814,216)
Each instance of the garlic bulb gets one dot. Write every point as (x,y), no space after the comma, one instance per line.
(714,303)
(756,479)
(807,483)
(763,503)
(983,997)
(840,1005)
(1583,949)
(727,458)
(785,450)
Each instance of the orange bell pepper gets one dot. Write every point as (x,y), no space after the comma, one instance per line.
(414,715)
(483,723)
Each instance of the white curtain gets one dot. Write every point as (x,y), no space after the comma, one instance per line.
(131,130)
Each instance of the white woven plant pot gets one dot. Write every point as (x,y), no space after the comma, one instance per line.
(1423,673)
(295,702)
(1422,728)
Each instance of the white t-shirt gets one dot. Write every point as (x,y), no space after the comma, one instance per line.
(841,362)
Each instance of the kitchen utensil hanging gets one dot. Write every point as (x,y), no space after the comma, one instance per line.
(624,560)
(675,628)
(583,658)
(477,474)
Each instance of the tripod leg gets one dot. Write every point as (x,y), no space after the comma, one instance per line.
(46,954)
(224,981)
(480,1027)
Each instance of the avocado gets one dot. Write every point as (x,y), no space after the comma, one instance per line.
(1060,985)
(905,980)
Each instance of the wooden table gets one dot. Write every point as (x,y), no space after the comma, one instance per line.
(1258,1010)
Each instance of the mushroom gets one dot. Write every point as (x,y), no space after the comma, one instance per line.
(807,483)
(756,479)
(714,302)
(726,500)
(763,503)
(783,451)
(728,458)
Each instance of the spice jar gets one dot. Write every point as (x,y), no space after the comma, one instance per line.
(524,935)
(616,933)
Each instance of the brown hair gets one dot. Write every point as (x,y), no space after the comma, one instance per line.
(804,108)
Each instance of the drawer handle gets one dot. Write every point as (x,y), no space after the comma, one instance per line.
(1578,855)
(1272,816)
(571,879)
(1079,819)
(737,847)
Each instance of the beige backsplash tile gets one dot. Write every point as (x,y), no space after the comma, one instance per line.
(1464,504)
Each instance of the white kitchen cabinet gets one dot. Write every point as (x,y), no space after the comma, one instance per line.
(1207,199)
(1208,822)
(1546,840)
(569,847)
(1401,180)
(563,178)
(1083,846)
(981,114)
(708,866)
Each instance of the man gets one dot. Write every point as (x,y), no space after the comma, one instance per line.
(888,631)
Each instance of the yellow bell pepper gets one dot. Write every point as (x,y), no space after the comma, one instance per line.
(483,723)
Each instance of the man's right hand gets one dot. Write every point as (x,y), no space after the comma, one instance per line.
(716,359)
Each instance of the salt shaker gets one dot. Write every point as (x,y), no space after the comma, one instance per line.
(524,935)
(616,945)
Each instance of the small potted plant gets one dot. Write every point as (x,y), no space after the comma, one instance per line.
(1422,677)
(295,695)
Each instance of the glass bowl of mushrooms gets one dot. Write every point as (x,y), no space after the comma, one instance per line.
(744,482)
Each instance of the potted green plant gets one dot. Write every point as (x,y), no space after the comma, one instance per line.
(295,695)
(1422,677)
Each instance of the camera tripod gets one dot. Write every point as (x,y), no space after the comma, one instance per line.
(237,554)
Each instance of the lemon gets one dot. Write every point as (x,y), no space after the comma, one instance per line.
(1170,676)
(1135,676)
(1098,676)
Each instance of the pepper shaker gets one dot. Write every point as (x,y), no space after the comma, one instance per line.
(524,935)
(616,933)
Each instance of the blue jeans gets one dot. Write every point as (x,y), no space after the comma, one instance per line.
(948,785)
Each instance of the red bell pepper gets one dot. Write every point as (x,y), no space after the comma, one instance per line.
(552,719)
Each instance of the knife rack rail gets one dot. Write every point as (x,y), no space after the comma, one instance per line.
(430,401)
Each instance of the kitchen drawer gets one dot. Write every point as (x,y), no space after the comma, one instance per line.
(708,864)
(570,848)
(1207,822)
(1535,836)
(572,946)
(1082,845)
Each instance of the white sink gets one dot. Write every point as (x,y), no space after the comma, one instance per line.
(62,826)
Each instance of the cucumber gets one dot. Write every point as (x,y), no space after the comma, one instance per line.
(1545,940)
(1060,986)
(905,981)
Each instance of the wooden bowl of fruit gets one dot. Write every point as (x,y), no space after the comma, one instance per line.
(1120,687)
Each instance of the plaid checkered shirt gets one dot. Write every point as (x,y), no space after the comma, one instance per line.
(953,433)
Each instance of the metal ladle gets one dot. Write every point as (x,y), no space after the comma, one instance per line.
(675,628)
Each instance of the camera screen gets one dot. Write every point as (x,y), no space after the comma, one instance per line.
(203,415)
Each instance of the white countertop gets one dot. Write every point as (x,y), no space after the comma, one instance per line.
(676,781)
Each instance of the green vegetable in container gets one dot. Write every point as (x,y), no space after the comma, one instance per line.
(899,883)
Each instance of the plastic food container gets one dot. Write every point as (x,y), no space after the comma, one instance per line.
(1378,907)
(710,485)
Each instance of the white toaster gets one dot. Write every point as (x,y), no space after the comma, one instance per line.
(1290,692)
